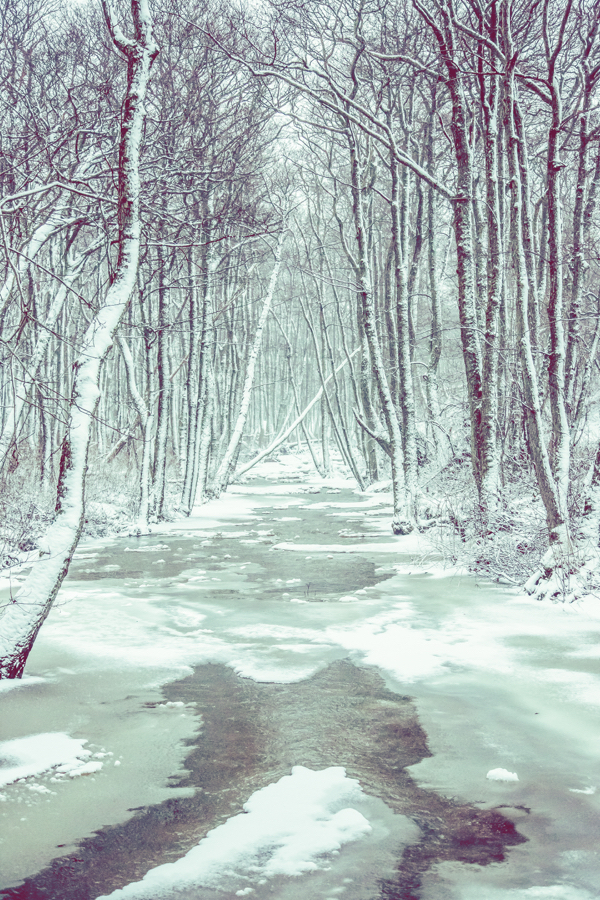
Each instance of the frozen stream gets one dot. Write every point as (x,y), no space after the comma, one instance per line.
(283,629)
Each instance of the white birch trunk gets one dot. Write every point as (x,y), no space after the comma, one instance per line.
(406,395)
(205,437)
(164,395)
(199,361)
(490,103)
(561,433)
(25,614)
(222,477)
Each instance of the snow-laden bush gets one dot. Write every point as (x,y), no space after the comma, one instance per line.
(26,508)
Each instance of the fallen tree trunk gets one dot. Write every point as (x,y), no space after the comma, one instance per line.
(285,434)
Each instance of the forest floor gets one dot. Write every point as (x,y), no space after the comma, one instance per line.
(282,651)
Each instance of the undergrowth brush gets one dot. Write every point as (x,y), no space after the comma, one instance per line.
(27,506)
(510,545)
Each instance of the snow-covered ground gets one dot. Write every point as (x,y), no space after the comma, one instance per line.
(507,689)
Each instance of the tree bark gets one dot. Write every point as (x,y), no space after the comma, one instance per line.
(225,468)
(26,613)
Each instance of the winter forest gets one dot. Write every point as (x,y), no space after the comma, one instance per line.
(369,231)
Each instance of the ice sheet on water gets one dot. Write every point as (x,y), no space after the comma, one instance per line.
(407,544)
(547,892)
(446,636)
(346,504)
(288,828)
(271,489)
(408,640)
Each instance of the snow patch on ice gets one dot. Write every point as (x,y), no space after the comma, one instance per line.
(39,789)
(11,684)
(147,548)
(38,753)
(288,828)
(501,775)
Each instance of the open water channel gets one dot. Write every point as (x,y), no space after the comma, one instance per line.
(425,735)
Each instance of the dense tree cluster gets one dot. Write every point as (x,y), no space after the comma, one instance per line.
(364,225)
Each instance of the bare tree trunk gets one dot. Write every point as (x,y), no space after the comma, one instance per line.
(435,330)
(582,219)
(14,412)
(25,615)
(146,421)
(446,39)
(206,431)
(164,393)
(557,557)
(406,396)
(199,345)
(223,475)
(490,102)
(561,436)
(403,515)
